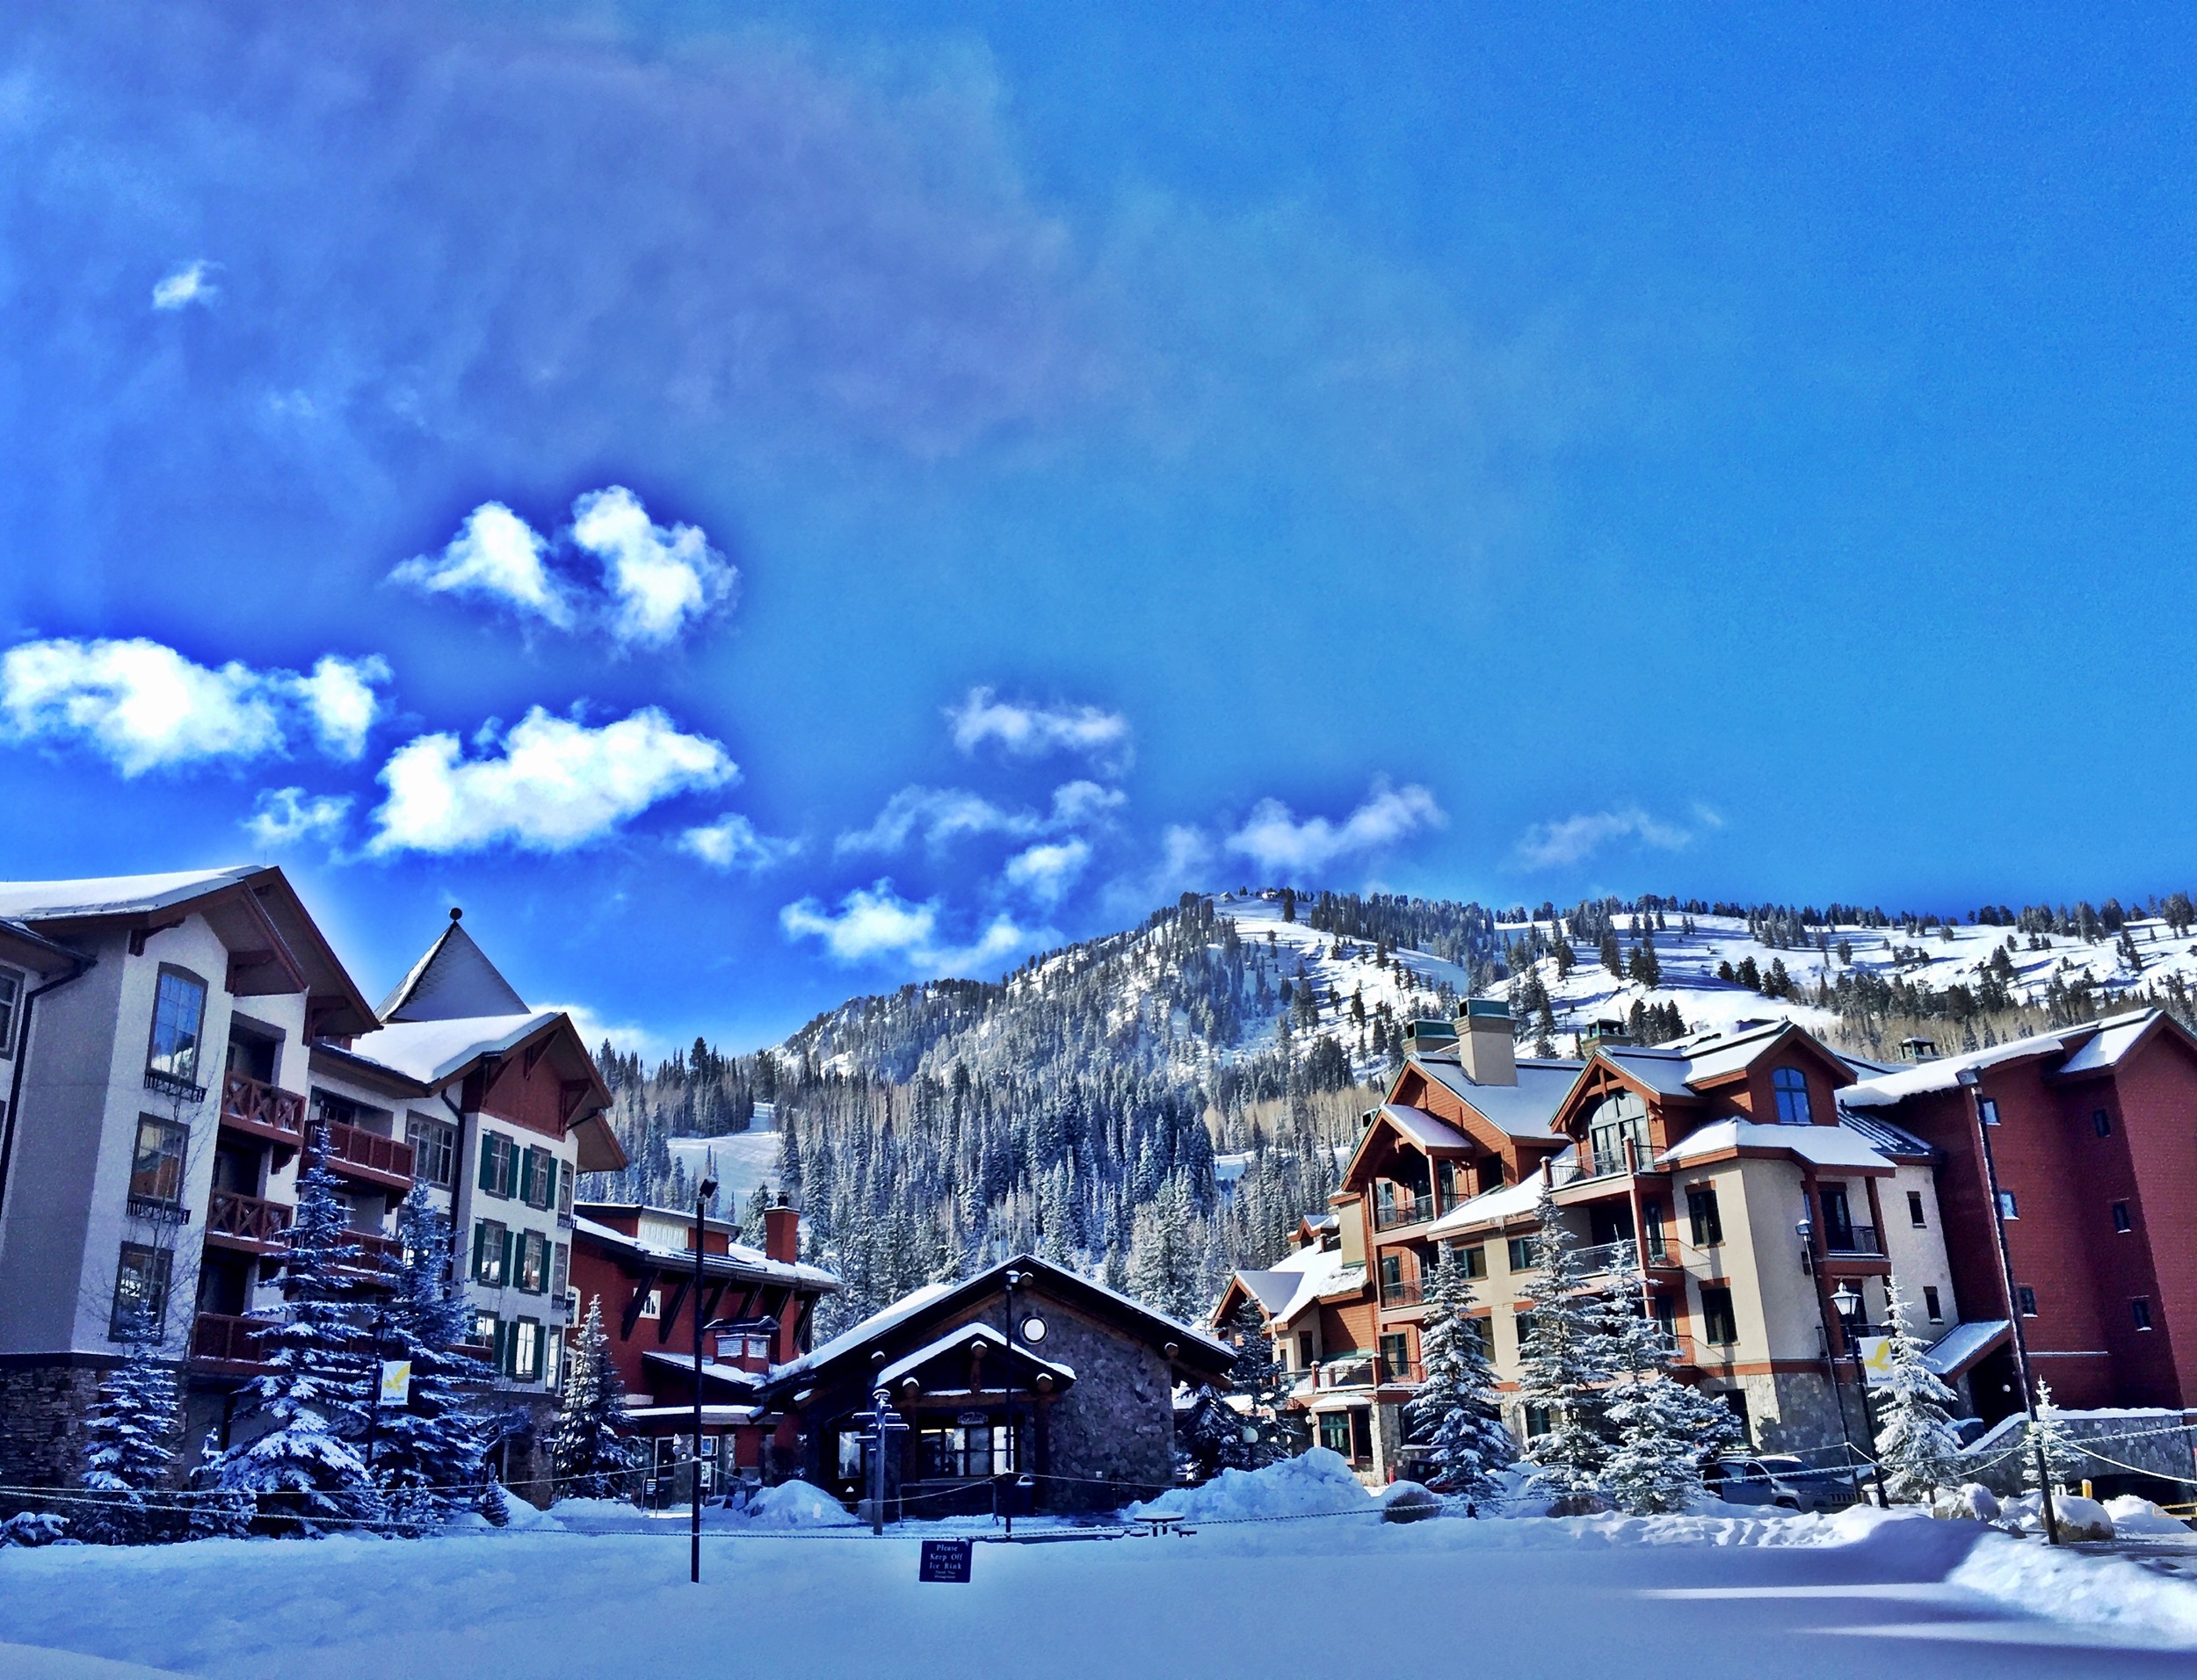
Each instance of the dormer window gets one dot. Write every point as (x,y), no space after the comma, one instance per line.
(1790,1085)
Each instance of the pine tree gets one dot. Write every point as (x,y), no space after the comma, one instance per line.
(594,1457)
(1164,1257)
(1661,1430)
(1455,1415)
(307,1470)
(1914,1433)
(1277,1431)
(427,1454)
(1562,1365)
(2063,1458)
(130,1448)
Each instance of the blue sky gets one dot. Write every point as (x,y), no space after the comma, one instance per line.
(763,503)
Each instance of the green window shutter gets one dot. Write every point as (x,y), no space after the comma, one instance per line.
(488,1162)
(511,1253)
(480,1245)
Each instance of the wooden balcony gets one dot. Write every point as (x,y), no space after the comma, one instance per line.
(234,1220)
(228,1344)
(367,1156)
(1392,1212)
(375,1252)
(261,1111)
(1402,1292)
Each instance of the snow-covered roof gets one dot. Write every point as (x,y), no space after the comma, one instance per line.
(1424,1129)
(959,1337)
(1269,1286)
(1824,1146)
(34,901)
(2102,1044)
(1963,1344)
(751,1262)
(685,1363)
(433,1051)
(453,981)
(876,1324)
(1519,1111)
(1494,1206)
(1892,1140)
(1321,1274)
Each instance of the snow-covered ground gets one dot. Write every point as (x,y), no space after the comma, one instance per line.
(1341,1595)
(739,1161)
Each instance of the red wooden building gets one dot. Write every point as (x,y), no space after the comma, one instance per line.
(639,1262)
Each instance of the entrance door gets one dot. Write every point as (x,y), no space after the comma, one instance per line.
(1838,1219)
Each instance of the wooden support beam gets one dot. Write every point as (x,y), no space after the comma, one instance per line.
(642,1285)
(670,1313)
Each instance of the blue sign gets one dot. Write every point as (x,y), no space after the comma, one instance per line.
(945,1561)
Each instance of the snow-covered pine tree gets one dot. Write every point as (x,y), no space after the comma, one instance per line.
(1662,1430)
(1563,1366)
(130,1436)
(2063,1461)
(1278,1432)
(1165,1257)
(1455,1415)
(594,1457)
(307,1471)
(426,1454)
(1914,1440)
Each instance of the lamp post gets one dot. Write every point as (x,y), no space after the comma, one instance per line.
(1847,1300)
(703,1192)
(1972,1082)
(1806,1231)
(1014,1456)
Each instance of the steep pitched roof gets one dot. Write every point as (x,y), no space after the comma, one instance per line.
(1519,1111)
(54,901)
(453,981)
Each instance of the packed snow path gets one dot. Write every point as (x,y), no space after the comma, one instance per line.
(1337,1598)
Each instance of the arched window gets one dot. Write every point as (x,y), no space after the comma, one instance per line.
(1791,1085)
(1619,1118)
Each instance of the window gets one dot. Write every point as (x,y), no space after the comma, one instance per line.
(564,1188)
(1618,1119)
(2025,1300)
(1990,1110)
(2008,1209)
(434,1150)
(1789,1085)
(1396,1356)
(1335,1432)
(1915,1215)
(1484,1327)
(533,1263)
(2101,1122)
(156,1168)
(1472,1262)
(178,1016)
(541,1178)
(526,1349)
(1652,1247)
(484,1329)
(1701,1212)
(1490,1174)
(552,1357)
(491,1243)
(140,1294)
(653,1306)
(1719,1326)
(1305,1355)
(2123,1222)
(10,1001)
(499,1164)
(1539,1420)
(559,1268)
(852,1454)
(2140,1310)
(1391,1273)
(1666,1311)
(1930,1304)
(1450,1175)
(1522,1254)
(1522,1324)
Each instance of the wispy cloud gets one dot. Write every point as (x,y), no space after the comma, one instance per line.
(874,923)
(181,288)
(286,816)
(1047,870)
(1275,840)
(656,580)
(551,785)
(940,815)
(732,843)
(145,707)
(1547,845)
(1023,730)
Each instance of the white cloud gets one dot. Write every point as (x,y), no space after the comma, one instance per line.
(495,556)
(192,283)
(941,814)
(1272,838)
(284,816)
(555,785)
(1023,730)
(1049,869)
(629,1036)
(1552,844)
(1184,865)
(874,923)
(659,579)
(732,843)
(145,707)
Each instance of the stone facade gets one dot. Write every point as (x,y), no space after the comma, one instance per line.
(42,1408)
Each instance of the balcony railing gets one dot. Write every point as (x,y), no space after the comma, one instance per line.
(249,1218)
(1852,1239)
(159,1210)
(1391,1212)
(228,1340)
(1352,1371)
(375,1251)
(1402,1292)
(1606,1257)
(1400,1371)
(348,1146)
(174,1085)
(253,1105)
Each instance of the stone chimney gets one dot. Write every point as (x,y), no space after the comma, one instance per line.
(781,1231)
(1484,1044)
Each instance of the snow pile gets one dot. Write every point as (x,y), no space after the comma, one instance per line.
(2106,1592)
(794,1504)
(2136,1518)
(1314,1483)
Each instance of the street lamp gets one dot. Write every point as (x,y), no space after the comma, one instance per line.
(1972,1082)
(703,1194)
(1806,1231)
(1847,1300)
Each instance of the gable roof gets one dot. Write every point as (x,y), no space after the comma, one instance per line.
(1206,1358)
(2095,1047)
(1520,1110)
(960,1336)
(454,981)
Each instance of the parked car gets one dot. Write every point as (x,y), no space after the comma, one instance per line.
(1786,1482)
